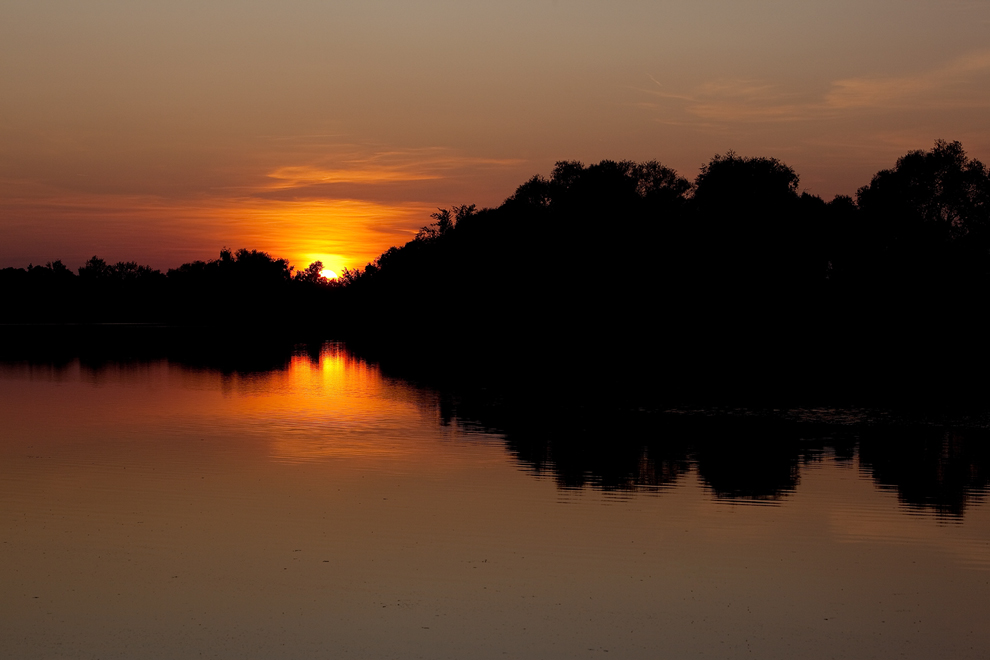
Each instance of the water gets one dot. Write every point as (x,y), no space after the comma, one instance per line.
(323,510)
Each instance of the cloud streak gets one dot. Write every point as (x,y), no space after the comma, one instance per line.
(297,176)
(732,101)
(939,87)
(355,165)
(341,204)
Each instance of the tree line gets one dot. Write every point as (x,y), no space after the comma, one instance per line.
(246,288)
(626,275)
(623,275)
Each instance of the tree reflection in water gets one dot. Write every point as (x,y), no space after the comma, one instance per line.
(938,467)
(745,455)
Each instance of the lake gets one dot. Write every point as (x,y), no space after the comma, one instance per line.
(323,509)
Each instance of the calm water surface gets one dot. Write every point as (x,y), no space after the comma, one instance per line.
(154,510)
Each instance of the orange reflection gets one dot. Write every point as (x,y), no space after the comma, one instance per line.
(324,405)
(329,404)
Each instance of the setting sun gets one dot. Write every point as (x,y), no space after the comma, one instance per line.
(328,274)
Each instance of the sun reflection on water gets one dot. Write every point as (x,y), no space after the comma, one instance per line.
(330,404)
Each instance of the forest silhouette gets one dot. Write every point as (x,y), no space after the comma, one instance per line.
(617,279)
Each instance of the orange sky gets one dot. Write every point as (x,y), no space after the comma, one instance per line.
(162,132)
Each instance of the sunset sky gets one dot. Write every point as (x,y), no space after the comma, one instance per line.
(163,131)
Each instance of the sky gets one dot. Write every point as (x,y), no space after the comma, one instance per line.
(161,132)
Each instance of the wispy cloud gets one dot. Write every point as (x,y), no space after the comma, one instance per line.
(941,86)
(342,204)
(733,101)
(346,164)
(295,176)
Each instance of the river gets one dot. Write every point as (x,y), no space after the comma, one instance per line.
(322,509)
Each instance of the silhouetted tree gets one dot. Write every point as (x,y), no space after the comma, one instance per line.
(94,268)
(928,219)
(313,274)
(735,282)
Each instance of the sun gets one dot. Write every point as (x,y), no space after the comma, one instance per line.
(328,274)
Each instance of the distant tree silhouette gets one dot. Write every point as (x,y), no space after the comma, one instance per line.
(928,219)
(732,181)
(94,268)
(734,282)
(312,274)
(939,192)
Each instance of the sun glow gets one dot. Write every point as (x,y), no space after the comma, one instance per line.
(331,264)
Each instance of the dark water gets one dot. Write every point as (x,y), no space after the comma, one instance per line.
(323,510)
